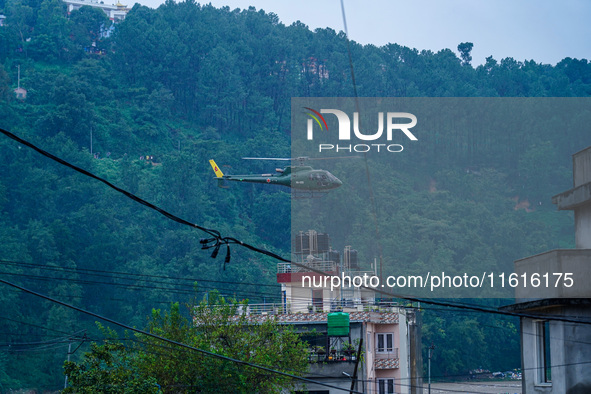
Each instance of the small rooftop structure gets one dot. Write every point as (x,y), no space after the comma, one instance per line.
(20,93)
(115,12)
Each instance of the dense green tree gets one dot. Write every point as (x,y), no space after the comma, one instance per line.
(88,25)
(465,48)
(5,91)
(22,21)
(107,368)
(51,39)
(214,326)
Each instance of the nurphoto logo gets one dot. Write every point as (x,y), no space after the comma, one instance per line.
(393,128)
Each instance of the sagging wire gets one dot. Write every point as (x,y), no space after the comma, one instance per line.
(214,233)
(169,341)
(218,240)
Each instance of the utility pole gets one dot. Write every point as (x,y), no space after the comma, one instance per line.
(354,377)
(69,352)
(72,352)
(431,348)
(414,319)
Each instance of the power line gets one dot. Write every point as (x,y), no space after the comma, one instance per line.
(217,241)
(480,324)
(11,262)
(34,325)
(56,340)
(170,216)
(106,319)
(141,278)
(146,333)
(522,369)
(135,286)
(41,349)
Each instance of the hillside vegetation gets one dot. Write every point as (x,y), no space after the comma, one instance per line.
(171,88)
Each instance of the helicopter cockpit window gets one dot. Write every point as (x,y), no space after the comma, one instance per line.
(322,179)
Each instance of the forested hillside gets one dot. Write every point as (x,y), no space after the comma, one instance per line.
(145,103)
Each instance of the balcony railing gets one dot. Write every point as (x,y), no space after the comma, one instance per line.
(327,306)
(323,266)
(385,354)
(333,356)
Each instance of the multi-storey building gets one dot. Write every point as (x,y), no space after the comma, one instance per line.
(386,331)
(556,339)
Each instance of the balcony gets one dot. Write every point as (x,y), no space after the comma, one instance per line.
(334,356)
(387,360)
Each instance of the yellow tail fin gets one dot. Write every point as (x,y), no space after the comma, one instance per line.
(216,169)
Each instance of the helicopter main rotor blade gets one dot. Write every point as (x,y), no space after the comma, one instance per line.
(301,159)
(265,158)
(332,158)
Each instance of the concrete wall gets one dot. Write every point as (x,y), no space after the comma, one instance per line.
(401,343)
(570,343)
(299,298)
(582,176)
(403,353)
(570,354)
(371,323)
(582,167)
(583,227)
(573,261)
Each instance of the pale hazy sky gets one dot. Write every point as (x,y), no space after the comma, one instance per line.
(543,30)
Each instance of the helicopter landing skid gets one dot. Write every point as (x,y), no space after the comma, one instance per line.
(299,194)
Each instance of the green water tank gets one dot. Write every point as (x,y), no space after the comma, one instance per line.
(338,324)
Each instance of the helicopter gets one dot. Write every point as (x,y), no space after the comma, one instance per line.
(301,178)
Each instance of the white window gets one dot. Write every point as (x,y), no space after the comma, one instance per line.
(368,346)
(542,332)
(385,386)
(384,343)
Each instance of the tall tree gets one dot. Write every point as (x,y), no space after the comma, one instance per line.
(214,326)
(465,48)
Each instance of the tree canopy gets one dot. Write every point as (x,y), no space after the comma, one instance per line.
(214,326)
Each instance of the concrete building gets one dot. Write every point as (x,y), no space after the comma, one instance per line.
(115,12)
(387,331)
(556,355)
(20,93)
